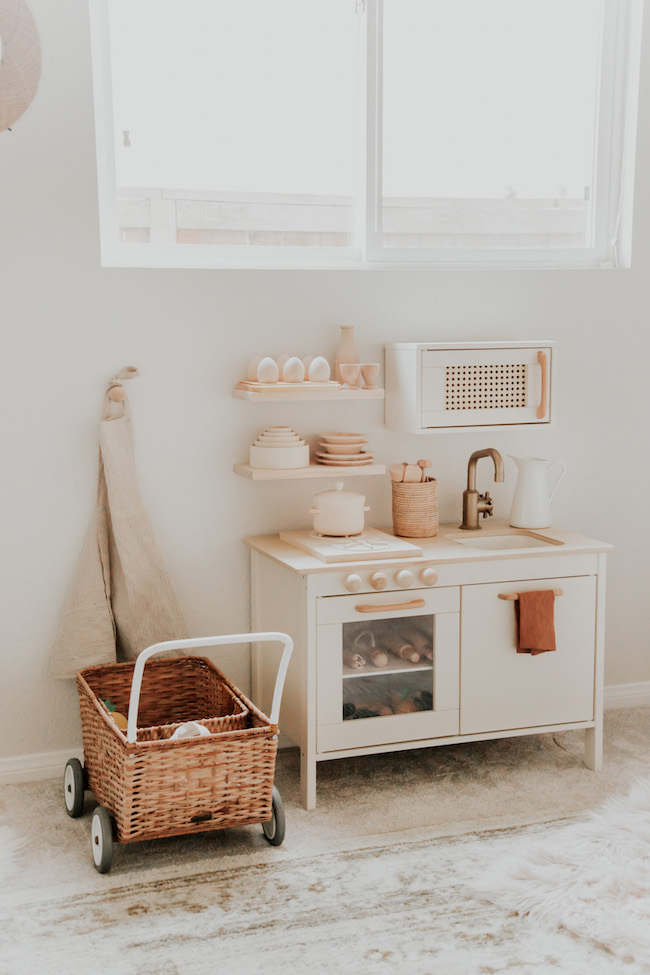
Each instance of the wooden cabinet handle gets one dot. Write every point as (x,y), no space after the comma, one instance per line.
(515,595)
(393,607)
(542,358)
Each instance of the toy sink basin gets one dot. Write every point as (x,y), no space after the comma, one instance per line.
(517,539)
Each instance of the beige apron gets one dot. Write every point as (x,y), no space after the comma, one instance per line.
(121,600)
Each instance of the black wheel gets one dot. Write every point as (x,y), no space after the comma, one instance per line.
(73,788)
(274,829)
(101,838)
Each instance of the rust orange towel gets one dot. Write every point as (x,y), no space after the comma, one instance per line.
(534,612)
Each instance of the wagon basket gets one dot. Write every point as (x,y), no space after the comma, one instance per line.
(150,784)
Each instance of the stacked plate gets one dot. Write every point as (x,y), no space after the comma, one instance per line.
(279,448)
(343,449)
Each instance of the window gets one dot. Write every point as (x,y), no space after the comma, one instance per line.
(365,133)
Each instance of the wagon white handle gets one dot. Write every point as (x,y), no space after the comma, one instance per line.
(209,641)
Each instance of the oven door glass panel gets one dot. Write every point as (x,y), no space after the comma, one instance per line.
(387,667)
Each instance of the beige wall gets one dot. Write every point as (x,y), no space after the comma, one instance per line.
(68,324)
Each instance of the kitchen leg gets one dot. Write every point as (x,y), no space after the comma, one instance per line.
(307,780)
(594,748)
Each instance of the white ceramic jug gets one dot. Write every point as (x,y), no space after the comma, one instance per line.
(531,502)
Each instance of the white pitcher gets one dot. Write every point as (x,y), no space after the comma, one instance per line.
(531,501)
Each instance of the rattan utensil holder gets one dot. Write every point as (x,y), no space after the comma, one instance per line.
(415,509)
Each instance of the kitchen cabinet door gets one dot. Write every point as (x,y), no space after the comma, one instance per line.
(502,689)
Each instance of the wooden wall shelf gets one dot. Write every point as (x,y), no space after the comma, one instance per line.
(304,396)
(314,470)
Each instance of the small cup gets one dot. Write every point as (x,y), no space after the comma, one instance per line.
(350,374)
(369,372)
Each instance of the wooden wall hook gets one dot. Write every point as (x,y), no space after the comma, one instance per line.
(115,392)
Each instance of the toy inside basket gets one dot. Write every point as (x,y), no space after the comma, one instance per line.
(174,691)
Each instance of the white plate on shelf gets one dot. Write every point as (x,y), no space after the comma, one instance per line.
(282,458)
(279,443)
(328,459)
(343,437)
(263,438)
(341,449)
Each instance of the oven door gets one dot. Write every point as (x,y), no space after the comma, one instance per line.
(387,668)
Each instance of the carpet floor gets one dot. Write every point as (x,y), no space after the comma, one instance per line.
(379,878)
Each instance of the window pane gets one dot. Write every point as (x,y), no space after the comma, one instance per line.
(230,124)
(489,122)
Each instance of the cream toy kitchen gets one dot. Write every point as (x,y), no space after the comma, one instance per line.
(404,638)
(404,644)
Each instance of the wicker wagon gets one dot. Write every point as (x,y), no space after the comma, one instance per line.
(150,784)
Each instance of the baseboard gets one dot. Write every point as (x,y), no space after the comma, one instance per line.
(43,765)
(50,765)
(628,695)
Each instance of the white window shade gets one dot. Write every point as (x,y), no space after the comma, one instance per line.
(334,133)
(489,122)
(500,131)
(233,123)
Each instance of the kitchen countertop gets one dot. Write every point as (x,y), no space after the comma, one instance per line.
(439,550)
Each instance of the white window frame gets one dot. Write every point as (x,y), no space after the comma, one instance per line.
(614,158)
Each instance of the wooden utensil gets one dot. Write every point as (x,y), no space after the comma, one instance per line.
(423,464)
(401,649)
(412,474)
(365,643)
(353,660)
(396,472)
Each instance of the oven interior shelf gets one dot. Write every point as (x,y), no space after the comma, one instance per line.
(403,667)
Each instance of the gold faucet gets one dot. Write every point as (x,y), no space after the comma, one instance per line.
(473,502)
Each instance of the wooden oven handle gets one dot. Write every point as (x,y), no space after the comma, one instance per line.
(542,358)
(393,607)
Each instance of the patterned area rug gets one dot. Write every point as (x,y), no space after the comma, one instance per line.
(10,848)
(379,879)
(593,877)
(403,906)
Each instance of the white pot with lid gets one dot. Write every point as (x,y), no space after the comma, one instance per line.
(338,512)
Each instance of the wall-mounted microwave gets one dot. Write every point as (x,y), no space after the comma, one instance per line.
(462,386)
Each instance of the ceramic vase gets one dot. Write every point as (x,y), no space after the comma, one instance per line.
(347,350)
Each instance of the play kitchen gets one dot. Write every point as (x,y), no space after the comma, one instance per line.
(417,634)
(405,642)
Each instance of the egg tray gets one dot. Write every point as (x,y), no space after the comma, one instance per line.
(283,387)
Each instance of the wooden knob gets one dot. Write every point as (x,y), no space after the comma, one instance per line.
(116,394)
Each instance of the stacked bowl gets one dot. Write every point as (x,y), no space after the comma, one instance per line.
(279,448)
(343,449)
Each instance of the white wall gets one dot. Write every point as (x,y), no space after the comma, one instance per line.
(68,325)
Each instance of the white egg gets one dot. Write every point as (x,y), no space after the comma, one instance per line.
(251,372)
(267,371)
(319,370)
(293,371)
